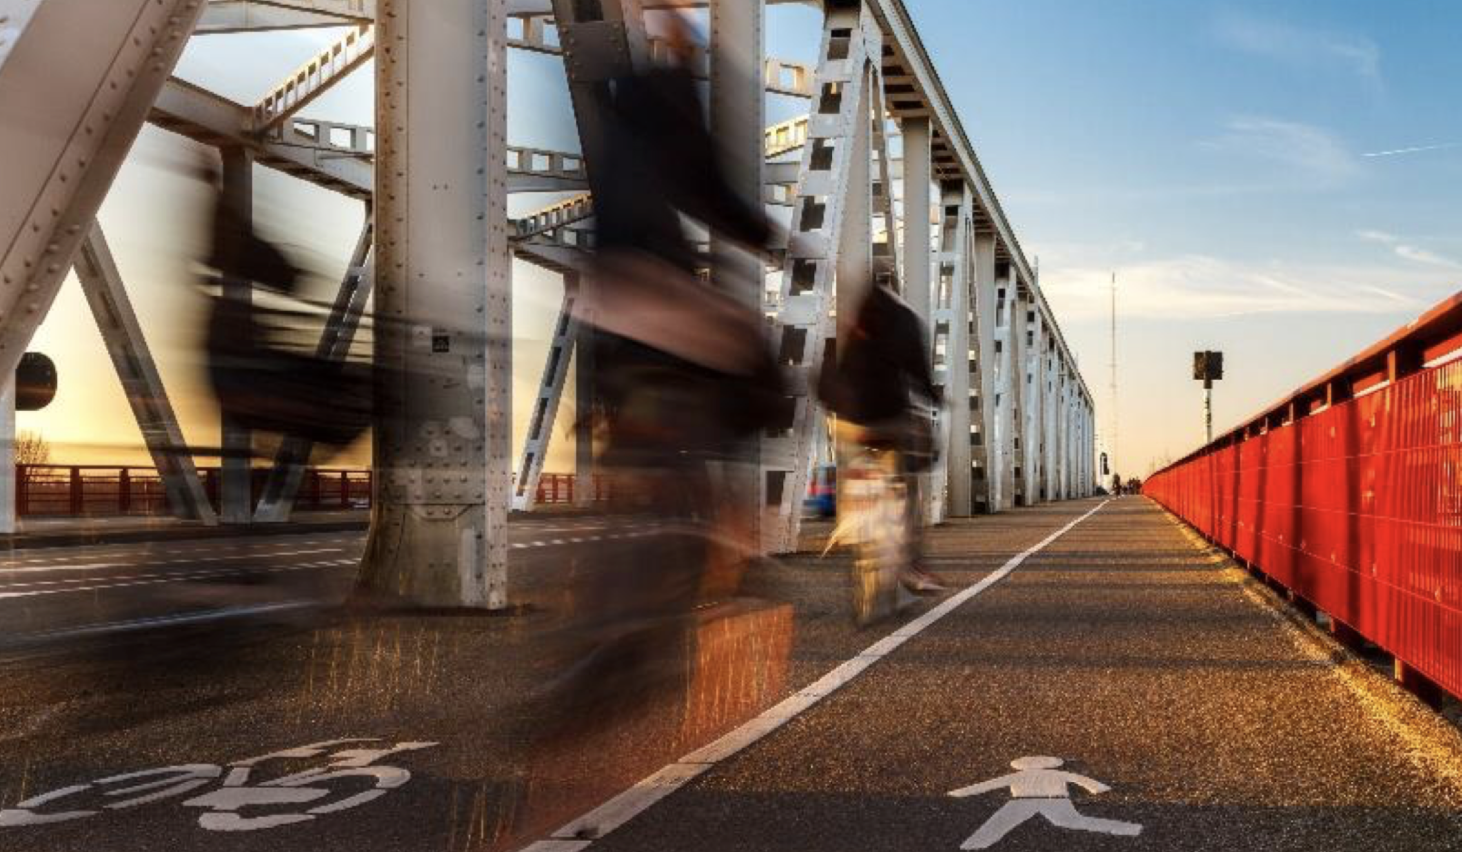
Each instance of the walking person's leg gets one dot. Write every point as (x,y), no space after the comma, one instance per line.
(1063,814)
(1014,813)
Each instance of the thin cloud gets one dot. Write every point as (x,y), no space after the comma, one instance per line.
(1206,287)
(1409,252)
(1311,48)
(1418,149)
(1300,149)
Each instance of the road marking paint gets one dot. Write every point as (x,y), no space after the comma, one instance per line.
(644,795)
(146,567)
(145,549)
(160,579)
(91,566)
(236,793)
(1039,788)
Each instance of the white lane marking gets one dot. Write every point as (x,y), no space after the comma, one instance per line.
(1039,788)
(634,801)
(158,579)
(155,563)
(58,561)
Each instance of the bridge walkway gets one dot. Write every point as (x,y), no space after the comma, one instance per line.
(1144,661)
(1098,633)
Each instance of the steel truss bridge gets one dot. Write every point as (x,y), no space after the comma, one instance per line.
(434,255)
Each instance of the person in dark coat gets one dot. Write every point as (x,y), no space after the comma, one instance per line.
(882,381)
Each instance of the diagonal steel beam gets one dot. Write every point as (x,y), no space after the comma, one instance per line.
(107,296)
(65,136)
(290,460)
(243,16)
(545,406)
(315,78)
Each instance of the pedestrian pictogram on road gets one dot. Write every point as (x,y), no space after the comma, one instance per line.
(1038,787)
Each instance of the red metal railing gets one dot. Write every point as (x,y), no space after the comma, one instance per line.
(102,490)
(558,488)
(1349,494)
(53,490)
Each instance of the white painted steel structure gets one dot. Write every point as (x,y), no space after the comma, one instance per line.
(436,250)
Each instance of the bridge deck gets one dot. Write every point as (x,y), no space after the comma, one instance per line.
(1123,647)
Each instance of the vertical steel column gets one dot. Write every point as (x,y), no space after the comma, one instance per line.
(545,407)
(840,119)
(1005,400)
(236,466)
(1015,340)
(952,330)
(584,417)
(1034,404)
(132,360)
(9,511)
(1049,449)
(918,258)
(276,502)
(987,488)
(738,123)
(918,180)
(443,298)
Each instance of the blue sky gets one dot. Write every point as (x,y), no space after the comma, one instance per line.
(1215,155)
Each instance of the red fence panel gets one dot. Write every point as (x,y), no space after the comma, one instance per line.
(1353,503)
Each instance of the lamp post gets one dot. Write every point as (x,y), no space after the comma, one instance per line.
(1208,368)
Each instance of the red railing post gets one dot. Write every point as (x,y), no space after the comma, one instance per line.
(344,490)
(124,492)
(77,503)
(22,490)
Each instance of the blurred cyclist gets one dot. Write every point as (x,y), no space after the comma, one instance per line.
(882,383)
(683,375)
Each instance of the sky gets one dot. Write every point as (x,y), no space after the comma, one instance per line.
(1270,179)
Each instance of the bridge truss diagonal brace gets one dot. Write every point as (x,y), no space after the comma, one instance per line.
(66,135)
(276,501)
(132,359)
(315,78)
(545,407)
(837,155)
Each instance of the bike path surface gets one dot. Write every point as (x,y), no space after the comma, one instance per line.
(467,684)
(1146,663)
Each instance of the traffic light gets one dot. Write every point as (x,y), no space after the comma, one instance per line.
(35,382)
(1106,471)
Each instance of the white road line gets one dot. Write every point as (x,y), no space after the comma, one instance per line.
(148,564)
(581,832)
(59,559)
(178,576)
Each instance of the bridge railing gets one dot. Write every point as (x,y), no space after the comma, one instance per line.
(56,490)
(53,490)
(558,489)
(1348,493)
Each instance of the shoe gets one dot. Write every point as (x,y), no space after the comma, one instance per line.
(921,582)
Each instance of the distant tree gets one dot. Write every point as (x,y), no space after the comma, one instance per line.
(32,448)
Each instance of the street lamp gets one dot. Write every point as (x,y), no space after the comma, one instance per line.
(1208,368)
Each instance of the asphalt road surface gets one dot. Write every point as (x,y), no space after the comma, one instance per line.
(50,597)
(1190,710)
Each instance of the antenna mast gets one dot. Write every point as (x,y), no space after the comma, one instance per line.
(1113,438)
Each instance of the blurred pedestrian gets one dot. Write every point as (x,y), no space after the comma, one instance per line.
(882,384)
(684,373)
